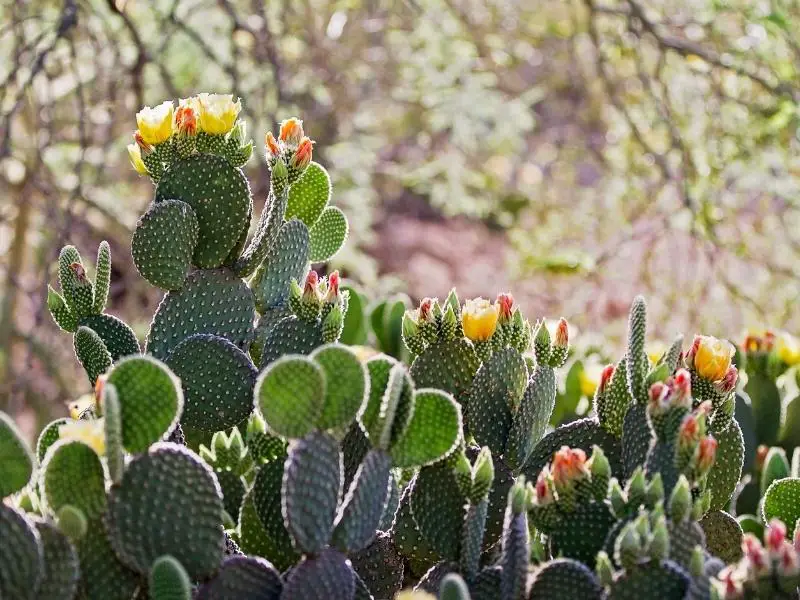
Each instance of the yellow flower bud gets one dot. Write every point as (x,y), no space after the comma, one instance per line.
(155,124)
(479,319)
(218,113)
(788,349)
(77,407)
(90,432)
(712,357)
(135,154)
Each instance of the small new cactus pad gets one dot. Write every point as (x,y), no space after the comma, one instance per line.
(143,527)
(326,576)
(782,501)
(150,400)
(16,459)
(73,475)
(21,555)
(391,401)
(217,380)
(380,567)
(211,301)
(47,438)
(60,567)
(92,353)
(168,580)
(312,489)
(102,573)
(564,578)
(328,235)
(119,339)
(102,277)
(287,260)
(636,438)
(163,243)
(220,197)
(250,577)
(310,195)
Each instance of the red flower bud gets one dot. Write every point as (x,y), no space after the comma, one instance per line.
(569,464)
(605,377)
(689,431)
(761,455)
(332,294)
(659,396)
(505,306)
(706,453)
(562,333)
(302,156)
(312,280)
(426,310)
(775,535)
(544,495)
(186,120)
(769,341)
(681,386)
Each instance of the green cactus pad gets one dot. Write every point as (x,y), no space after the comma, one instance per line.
(533,416)
(168,580)
(276,542)
(309,196)
(498,500)
(390,403)
(74,475)
(328,235)
(346,386)
(120,340)
(291,336)
(487,584)
(437,506)
(636,437)
(408,539)
(363,506)
(355,446)
(782,501)
(102,574)
(21,555)
(583,434)
(564,578)
(102,278)
(250,532)
(776,466)
(150,399)
(432,433)
(431,582)
(286,260)
(327,576)
(67,256)
(723,535)
(617,400)
(269,223)
(92,353)
(220,197)
(291,394)
(211,301)
(766,403)
(266,322)
(233,490)
(380,567)
(143,527)
(217,380)
(497,390)
(354,331)
(666,581)
(47,438)
(61,313)
(163,243)
(683,538)
(582,533)
(16,459)
(60,568)
(635,358)
(312,488)
(727,469)
(447,365)
(247,577)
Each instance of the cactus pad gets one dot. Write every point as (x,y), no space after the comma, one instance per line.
(346,386)
(328,235)
(220,197)
(432,433)
(408,539)
(92,353)
(120,340)
(21,555)
(275,542)
(286,260)
(564,578)
(391,398)
(213,301)
(217,380)
(102,574)
(582,534)
(309,196)
(312,488)
(782,501)
(266,322)
(102,278)
(143,527)
(168,580)
(448,366)
(636,435)
(327,576)
(247,577)
(291,336)
(290,395)
(727,469)
(16,459)
(380,567)
(74,475)
(163,243)
(652,580)
(532,417)
(150,400)
(47,437)
(61,571)
(437,506)
(723,535)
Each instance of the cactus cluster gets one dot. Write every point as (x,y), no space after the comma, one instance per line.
(251,448)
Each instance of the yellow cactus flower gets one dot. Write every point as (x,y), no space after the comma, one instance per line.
(90,432)
(77,407)
(788,348)
(712,357)
(135,154)
(479,319)
(218,113)
(155,124)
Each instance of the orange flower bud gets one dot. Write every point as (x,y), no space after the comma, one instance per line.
(569,464)
(332,295)
(544,495)
(605,378)
(291,132)
(682,388)
(273,149)
(310,288)
(562,333)
(707,452)
(186,120)
(302,156)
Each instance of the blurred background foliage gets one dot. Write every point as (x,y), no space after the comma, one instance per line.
(575,152)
